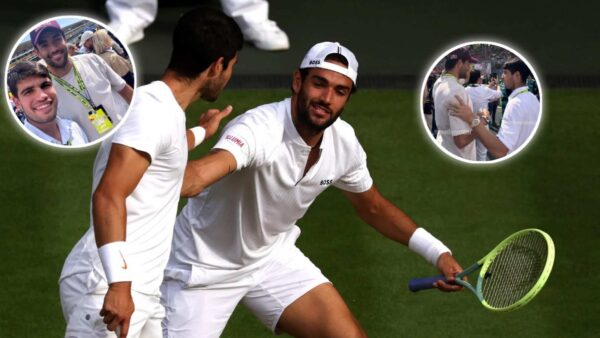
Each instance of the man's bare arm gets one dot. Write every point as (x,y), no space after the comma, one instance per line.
(123,172)
(382,215)
(463,140)
(127,93)
(393,223)
(489,140)
(205,171)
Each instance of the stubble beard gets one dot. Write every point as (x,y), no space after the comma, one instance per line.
(60,65)
(303,106)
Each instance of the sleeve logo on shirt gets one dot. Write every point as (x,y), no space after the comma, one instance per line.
(235,140)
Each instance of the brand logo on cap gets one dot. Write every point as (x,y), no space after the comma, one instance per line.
(314,62)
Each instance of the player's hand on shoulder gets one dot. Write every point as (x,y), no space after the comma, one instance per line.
(461,109)
(449,267)
(211,119)
(118,307)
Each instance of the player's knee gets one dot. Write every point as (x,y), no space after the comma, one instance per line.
(356,332)
(349,330)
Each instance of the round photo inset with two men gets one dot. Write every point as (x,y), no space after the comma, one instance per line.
(70,81)
(481,102)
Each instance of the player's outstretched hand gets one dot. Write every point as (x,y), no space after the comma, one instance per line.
(461,110)
(118,308)
(449,267)
(211,118)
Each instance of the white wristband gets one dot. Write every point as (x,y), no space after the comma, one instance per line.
(423,243)
(199,133)
(114,261)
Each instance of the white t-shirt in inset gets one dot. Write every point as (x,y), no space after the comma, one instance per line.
(481,96)
(237,223)
(102,84)
(519,119)
(155,126)
(444,91)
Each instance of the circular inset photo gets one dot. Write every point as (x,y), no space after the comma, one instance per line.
(69,81)
(481,102)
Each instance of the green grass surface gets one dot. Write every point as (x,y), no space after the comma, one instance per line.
(553,185)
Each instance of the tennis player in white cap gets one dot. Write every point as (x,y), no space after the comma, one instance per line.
(234,241)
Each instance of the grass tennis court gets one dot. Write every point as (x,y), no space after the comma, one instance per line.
(553,185)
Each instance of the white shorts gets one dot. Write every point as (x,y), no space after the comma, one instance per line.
(81,310)
(204,311)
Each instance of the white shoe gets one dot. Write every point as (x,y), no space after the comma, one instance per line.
(267,36)
(127,34)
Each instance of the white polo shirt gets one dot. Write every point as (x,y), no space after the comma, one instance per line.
(70,133)
(444,91)
(236,224)
(481,96)
(519,119)
(103,85)
(156,126)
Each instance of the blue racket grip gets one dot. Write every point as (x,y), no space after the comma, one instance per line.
(418,284)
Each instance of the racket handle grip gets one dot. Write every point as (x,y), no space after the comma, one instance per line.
(418,284)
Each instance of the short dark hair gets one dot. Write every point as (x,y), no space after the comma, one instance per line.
(450,63)
(201,36)
(330,57)
(517,65)
(475,75)
(23,70)
(455,55)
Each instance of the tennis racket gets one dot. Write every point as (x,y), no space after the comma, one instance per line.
(511,274)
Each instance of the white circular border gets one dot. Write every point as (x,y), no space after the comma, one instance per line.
(6,89)
(422,112)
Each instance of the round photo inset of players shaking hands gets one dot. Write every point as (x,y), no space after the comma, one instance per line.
(71,83)
(481,102)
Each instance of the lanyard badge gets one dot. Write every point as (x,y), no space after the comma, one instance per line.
(100,119)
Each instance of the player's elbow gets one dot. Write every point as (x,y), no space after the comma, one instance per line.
(461,141)
(496,149)
(369,211)
(190,191)
(103,200)
(499,153)
(193,182)
(99,197)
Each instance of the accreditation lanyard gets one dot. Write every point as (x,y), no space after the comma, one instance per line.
(519,93)
(452,76)
(82,95)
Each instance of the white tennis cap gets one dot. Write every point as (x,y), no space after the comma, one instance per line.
(315,58)
(86,36)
